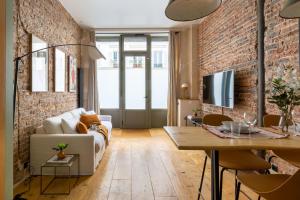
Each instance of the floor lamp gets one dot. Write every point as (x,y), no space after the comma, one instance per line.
(93,52)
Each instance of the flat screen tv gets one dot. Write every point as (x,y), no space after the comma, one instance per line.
(218,89)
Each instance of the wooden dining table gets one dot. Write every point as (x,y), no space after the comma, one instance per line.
(199,138)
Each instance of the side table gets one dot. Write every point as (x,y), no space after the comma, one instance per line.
(196,121)
(55,165)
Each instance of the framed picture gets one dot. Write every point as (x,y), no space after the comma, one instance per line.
(72,74)
(39,65)
(60,70)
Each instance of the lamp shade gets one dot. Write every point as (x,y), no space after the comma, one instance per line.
(291,9)
(185,85)
(188,10)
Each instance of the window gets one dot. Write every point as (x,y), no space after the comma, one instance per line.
(108,73)
(135,43)
(159,72)
(157,59)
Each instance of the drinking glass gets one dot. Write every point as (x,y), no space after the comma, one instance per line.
(235,128)
(250,120)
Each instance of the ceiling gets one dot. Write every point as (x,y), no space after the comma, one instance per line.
(119,14)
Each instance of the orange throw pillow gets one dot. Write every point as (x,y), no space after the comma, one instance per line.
(89,120)
(81,128)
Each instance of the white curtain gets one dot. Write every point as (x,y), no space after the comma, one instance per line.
(93,95)
(90,98)
(175,62)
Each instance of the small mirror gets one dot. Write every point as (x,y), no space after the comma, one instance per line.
(39,65)
(60,70)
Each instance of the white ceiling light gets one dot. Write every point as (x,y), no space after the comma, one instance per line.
(188,10)
(291,9)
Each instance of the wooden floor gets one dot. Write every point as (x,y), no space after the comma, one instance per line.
(141,165)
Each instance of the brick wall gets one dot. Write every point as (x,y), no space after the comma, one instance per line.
(48,20)
(281,47)
(228,40)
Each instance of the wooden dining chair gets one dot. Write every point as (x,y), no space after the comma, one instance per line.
(291,156)
(271,120)
(271,186)
(230,159)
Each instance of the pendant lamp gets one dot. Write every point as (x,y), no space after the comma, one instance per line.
(291,9)
(188,10)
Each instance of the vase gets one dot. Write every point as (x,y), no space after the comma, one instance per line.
(286,120)
(61,155)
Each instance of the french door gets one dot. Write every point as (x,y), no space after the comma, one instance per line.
(133,80)
(135,92)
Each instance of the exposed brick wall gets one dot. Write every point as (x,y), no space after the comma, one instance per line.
(227,40)
(281,47)
(48,20)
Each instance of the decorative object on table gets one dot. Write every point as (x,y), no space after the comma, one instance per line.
(185,90)
(56,160)
(250,119)
(196,111)
(183,10)
(284,91)
(72,74)
(290,9)
(39,65)
(60,70)
(60,148)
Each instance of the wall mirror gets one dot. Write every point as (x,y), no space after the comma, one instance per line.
(39,65)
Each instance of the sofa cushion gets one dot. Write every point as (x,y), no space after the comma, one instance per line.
(89,120)
(81,128)
(53,125)
(69,125)
(90,112)
(77,112)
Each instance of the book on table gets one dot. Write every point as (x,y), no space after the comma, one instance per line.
(55,160)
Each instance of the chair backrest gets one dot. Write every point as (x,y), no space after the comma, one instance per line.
(287,190)
(271,120)
(215,119)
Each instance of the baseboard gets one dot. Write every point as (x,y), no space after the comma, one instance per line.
(21,181)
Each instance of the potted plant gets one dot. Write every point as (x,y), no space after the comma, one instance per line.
(60,149)
(284,91)
(195,112)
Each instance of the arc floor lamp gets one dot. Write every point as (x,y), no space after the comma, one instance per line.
(93,52)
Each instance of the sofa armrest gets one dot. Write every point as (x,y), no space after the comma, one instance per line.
(105,118)
(41,150)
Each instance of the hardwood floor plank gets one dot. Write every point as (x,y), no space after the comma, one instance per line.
(141,182)
(123,165)
(162,186)
(120,190)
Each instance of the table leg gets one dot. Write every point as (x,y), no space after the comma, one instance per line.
(215,189)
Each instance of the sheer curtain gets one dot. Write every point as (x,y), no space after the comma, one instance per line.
(90,99)
(175,62)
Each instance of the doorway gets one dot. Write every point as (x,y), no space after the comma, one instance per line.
(133,80)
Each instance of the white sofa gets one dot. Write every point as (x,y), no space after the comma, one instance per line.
(90,147)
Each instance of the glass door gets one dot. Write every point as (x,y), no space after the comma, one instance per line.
(135,113)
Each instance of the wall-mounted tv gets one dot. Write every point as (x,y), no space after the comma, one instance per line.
(218,89)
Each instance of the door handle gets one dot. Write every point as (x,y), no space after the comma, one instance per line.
(145,97)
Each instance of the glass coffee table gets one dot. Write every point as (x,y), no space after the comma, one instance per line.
(55,164)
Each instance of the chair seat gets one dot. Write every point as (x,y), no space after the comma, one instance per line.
(291,156)
(262,183)
(241,160)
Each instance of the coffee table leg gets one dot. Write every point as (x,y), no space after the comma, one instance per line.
(215,189)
